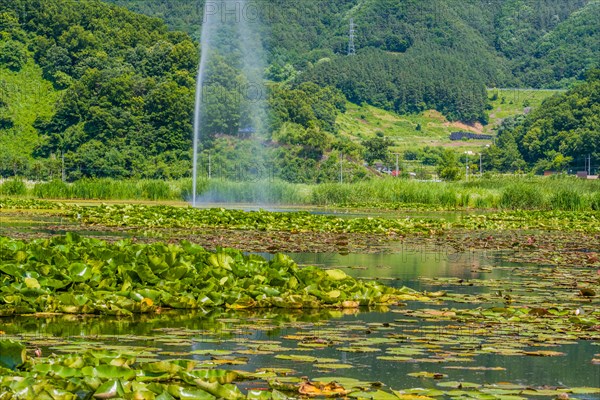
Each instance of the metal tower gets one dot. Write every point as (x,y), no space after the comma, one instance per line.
(351,47)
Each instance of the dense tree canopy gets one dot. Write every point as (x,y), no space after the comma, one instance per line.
(125,83)
(127,94)
(565,128)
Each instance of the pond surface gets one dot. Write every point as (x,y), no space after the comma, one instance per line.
(384,344)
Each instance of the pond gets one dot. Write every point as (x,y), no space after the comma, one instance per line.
(455,337)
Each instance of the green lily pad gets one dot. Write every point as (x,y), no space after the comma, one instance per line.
(424,374)
(12,354)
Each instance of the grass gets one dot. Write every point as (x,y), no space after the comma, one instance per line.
(110,189)
(491,192)
(363,122)
(263,192)
(511,102)
(488,192)
(213,191)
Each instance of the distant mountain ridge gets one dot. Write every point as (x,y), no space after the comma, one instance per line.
(414,55)
(110,92)
(532,43)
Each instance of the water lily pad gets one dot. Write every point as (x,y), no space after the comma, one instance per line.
(12,354)
(424,374)
(359,349)
(332,366)
(304,358)
(458,385)
(544,353)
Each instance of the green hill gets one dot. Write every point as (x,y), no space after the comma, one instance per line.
(558,135)
(111,92)
(531,43)
(25,96)
(413,56)
(430,128)
(564,54)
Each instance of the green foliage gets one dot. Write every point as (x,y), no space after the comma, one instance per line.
(12,55)
(487,192)
(411,83)
(189,217)
(564,50)
(388,191)
(567,199)
(521,196)
(448,167)
(515,35)
(563,129)
(13,187)
(307,105)
(377,149)
(12,354)
(89,277)
(129,88)
(263,191)
(109,189)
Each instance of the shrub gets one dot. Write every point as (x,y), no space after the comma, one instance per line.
(13,187)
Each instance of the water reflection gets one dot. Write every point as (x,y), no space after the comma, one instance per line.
(255,338)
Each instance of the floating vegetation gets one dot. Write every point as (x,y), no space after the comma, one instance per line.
(279,322)
(29,204)
(107,374)
(154,217)
(143,356)
(76,275)
(301,221)
(188,217)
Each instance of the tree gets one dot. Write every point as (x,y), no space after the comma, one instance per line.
(377,149)
(565,127)
(448,167)
(12,55)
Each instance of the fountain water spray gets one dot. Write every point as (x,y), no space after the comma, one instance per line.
(205,49)
(229,33)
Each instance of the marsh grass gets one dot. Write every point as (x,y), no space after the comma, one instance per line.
(107,189)
(487,192)
(13,187)
(391,191)
(263,192)
(521,196)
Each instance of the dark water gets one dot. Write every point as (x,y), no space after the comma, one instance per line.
(183,332)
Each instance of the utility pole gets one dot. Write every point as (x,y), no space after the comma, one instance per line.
(467,164)
(63,173)
(397,164)
(209,167)
(351,47)
(589,164)
(480,166)
(341,167)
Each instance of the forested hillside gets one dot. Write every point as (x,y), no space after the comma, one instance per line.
(414,55)
(90,89)
(125,82)
(113,96)
(560,134)
(538,43)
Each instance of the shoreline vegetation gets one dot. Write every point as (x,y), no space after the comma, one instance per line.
(490,192)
